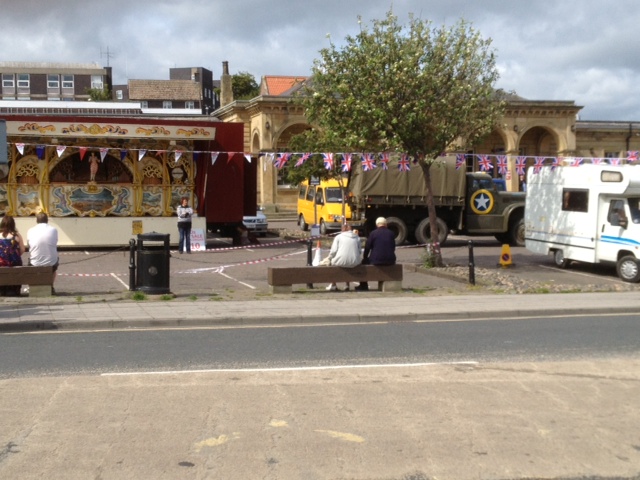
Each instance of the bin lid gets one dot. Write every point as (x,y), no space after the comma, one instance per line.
(153,236)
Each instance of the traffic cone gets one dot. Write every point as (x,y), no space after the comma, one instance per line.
(317,257)
(505,257)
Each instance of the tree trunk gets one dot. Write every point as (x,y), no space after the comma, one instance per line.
(433,248)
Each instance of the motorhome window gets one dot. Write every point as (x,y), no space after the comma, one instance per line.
(634,209)
(311,194)
(334,195)
(616,216)
(575,200)
(608,176)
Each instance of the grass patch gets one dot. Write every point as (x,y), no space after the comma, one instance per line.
(193,297)
(79,298)
(167,297)
(138,296)
(216,298)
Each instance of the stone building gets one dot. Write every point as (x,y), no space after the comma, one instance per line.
(529,128)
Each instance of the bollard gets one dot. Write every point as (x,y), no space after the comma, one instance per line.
(309,258)
(472,267)
(132,265)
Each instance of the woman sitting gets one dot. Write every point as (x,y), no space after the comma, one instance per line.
(11,250)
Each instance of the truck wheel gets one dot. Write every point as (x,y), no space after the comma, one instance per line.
(399,228)
(628,269)
(559,260)
(304,226)
(323,228)
(423,231)
(516,233)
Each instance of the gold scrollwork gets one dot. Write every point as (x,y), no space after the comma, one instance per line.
(34,127)
(193,131)
(153,131)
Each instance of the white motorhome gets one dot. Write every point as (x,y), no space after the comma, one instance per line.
(589,213)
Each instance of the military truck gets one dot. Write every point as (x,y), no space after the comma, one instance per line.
(467,203)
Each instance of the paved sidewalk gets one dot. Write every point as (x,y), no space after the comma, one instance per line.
(114,313)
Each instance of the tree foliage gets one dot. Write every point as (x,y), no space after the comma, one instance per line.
(416,89)
(99,94)
(244,86)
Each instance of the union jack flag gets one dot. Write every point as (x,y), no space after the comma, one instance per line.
(384,161)
(521,165)
(632,156)
(328,160)
(614,161)
(461,161)
(346,162)
(485,163)
(577,161)
(556,162)
(502,164)
(538,165)
(596,161)
(303,158)
(403,163)
(282,160)
(367,162)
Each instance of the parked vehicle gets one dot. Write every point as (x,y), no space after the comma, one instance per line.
(466,203)
(322,205)
(257,223)
(589,213)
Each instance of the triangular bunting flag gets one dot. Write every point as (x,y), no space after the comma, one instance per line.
(178,154)
(103,153)
(141,154)
(40,151)
(248,157)
(20,147)
(83,151)
(60,150)
(214,157)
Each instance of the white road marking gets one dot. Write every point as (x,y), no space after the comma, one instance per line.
(288,369)
(236,280)
(117,278)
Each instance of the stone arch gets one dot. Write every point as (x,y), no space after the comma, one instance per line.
(285,132)
(539,141)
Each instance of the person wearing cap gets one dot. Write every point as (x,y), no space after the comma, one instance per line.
(380,249)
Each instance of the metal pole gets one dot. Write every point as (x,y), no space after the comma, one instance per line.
(132,265)
(309,258)
(472,271)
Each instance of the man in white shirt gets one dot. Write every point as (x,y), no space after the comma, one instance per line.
(43,244)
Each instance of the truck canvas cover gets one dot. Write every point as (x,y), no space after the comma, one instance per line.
(446,181)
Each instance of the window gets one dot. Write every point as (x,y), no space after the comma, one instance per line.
(96,82)
(311,194)
(611,154)
(53,81)
(189,104)
(616,215)
(23,80)
(67,81)
(119,95)
(144,104)
(7,80)
(575,200)
(302,192)
(167,104)
(634,208)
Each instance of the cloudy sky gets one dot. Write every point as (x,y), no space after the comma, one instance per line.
(580,50)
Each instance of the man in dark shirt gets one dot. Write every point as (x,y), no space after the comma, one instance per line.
(380,248)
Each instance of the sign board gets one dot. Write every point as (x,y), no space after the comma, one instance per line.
(136,227)
(314,181)
(315,230)
(198,240)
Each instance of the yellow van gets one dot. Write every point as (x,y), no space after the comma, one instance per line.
(321,204)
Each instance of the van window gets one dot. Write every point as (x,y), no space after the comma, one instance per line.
(311,193)
(575,200)
(302,192)
(320,197)
(334,195)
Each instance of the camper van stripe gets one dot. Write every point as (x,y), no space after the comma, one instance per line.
(621,241)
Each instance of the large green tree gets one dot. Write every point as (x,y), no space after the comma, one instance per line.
(417,89)
(244,86)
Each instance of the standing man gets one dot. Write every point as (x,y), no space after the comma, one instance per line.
(43,245)
(184,225)
(380,249)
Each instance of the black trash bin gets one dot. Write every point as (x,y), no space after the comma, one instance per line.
(152,275)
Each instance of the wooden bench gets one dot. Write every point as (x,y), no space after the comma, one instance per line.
(389,277)
(39,279)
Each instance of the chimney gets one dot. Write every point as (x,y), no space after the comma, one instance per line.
(226,92)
